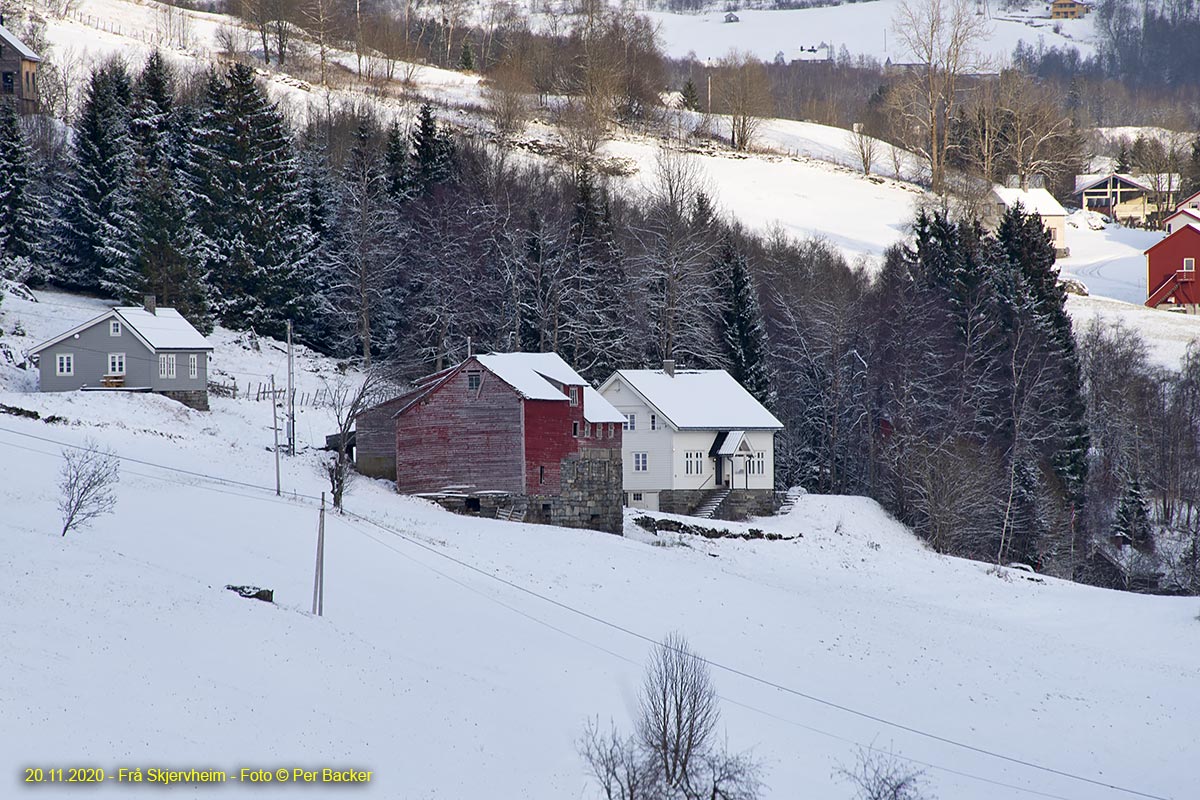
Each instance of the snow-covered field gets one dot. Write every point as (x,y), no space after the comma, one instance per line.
(122,648)
(863,28)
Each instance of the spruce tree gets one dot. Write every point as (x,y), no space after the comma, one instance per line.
(690,96)
(395,159)
(21,210)
(432,152)
(166,252)
(1133,515)
(94,240)
(466,59)
(741,330)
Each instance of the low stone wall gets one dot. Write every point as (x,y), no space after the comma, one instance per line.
(744,503)
(193,398)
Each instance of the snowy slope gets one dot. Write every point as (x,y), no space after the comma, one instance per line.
(863,28)
(123,649)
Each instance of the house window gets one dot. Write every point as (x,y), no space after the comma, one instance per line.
(64,364)
(587,430)
(653,422)
(610,430)
(573,393)
(575,429)
(114,328)
(116,363)
(193,366)
(637,497)
(7,84)
(640,462)
(1189,264)
(474,379)
(757,463)
(630,422)
(166,366)
(694,462)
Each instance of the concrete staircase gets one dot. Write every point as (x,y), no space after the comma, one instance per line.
(789,502)
(712,502)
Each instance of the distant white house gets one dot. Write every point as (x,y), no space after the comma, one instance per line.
(1033,201)
(694,441)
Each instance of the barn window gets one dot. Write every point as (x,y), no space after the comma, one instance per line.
(541,474)
(573,393)
(630,422)
(575,429)
(474,379)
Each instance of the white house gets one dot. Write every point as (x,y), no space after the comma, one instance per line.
(694,441)
(1033,201)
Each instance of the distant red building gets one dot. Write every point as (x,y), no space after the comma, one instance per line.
(1171,271)
(523,427)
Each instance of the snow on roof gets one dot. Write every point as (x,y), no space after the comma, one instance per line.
(1147,183)
(708,399)
(15,43)
(1036,201)
(166,329)
(1194,213)
(537,376)
(598,410)
(730,444)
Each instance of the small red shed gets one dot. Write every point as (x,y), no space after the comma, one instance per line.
(523,425)
(1171,271)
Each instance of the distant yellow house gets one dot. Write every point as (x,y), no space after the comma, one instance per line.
(1068,9)
(1129,199)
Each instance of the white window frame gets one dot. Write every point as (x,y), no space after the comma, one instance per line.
(573,393)
(1189,265)
(630,423)
(757,463)
(166,366)
(64,364)
(637,497)
(193,366)
(114,327)
(116,365)
(641,462)
(693,462)
(654,422)
(474,380)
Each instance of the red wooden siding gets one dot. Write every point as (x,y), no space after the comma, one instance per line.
(1164,269)
(456,436)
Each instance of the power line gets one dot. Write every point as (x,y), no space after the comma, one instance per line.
(630,632)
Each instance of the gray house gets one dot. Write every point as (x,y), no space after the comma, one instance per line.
(130,349)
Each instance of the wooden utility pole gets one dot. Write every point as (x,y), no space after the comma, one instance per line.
(291,393)
(318,606)
(275,431)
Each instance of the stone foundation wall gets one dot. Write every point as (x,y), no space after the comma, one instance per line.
(591,495)
(681,501)
(193,398)
(744,503)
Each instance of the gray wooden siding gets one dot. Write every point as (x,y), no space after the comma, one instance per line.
(90,349)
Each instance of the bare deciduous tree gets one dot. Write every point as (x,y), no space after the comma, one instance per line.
(882,775)
(674,752)
(346,401)
(943,37)
(87,484)
(743,92)
(507,97)
(864,146)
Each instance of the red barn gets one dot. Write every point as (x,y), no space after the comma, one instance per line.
(523,426)
(1171,271)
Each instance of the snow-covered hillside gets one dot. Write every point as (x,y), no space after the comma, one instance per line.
(455,659)
(862,28)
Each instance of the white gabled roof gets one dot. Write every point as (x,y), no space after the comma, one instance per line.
(166,330)
(1034,201)
(13,41)
(707,399)
(537,376)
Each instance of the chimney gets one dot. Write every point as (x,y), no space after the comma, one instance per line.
(669,367)
(149,303)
